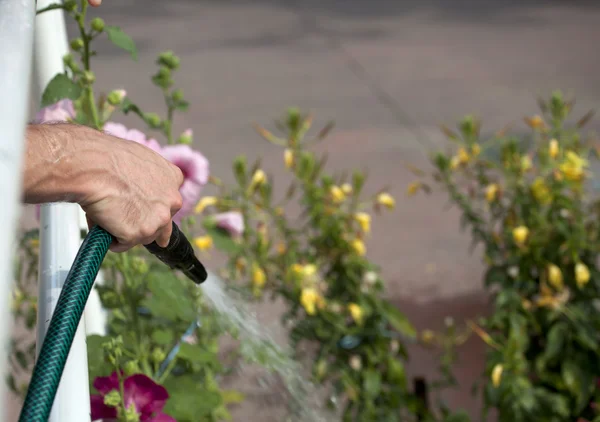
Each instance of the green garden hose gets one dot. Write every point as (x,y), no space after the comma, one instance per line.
(179,255)
(59,337)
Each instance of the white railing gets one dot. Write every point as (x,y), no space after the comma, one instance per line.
(61,224)
(16,40)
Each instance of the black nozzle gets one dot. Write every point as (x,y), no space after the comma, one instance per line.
(179,255)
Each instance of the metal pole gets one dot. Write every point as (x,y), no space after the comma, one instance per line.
(60,238)
(16,38)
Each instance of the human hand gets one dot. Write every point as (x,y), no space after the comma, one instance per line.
(129,190)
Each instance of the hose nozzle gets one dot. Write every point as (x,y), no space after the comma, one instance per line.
(179,255)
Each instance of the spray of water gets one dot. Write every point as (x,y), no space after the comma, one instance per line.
(258,346)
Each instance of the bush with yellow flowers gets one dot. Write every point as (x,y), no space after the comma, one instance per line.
(309,248)
(528,204)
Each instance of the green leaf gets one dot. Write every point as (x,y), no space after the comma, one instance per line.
(189,400)
(221,239)
(122,40)
(372,384)
(162,337)
(196,354)
(97,365)
(556,340)
(398,320)
(460,416)
(170,299)
(59,88)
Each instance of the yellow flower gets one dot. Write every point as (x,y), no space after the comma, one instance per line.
(310,299)
(358,247)
(553,148)
(207,201)
(427,336)
(413,188)
(535,122)
(386,200)
(540,191)
(356,312)
(555,277)
(491,192)
(520,235)
(364,220)
(454,163)
(582,274)
(347,188)
(309,270)
(337,194)
(259,278)
(572,168)
(526,163)
(34,243)
(497,375)
(281,248)
(288,158)
(475,150)
(463,156)
(203,242)
(258,178)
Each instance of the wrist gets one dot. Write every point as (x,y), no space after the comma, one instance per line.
(64,163)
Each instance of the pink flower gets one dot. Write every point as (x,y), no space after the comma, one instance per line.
(148,398)
(195,170)
(61,111)
(120,131)
(231,221)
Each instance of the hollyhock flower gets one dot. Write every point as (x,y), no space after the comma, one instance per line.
(231,221)
(195,169)
(61,111)
(120,131)
(140,393)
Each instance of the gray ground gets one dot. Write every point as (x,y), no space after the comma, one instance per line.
(387,72)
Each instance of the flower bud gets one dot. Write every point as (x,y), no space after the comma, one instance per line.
(70,5)
(358,247)
(139,265)
(364,220)
(158,355)
(97,24)
(553,148)
(347,188)
(555,277)
(413,188)
(356,363)
(177,95)
(491,192)
(497,375)
(386,200)
(186,137)
(288,158)
(520,235)
(112,399)
(203,242)
(89,77)
(582,274)
(169,60)
(116,97)
(153,120)
(258,178)
(131,367)
(207,201)
(259,278)
(77,44)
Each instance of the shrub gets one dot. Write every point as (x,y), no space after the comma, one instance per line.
(527,202)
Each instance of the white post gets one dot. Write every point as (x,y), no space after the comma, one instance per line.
(16,38)
(60,238)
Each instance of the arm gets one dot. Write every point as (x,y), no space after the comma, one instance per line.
(124,187)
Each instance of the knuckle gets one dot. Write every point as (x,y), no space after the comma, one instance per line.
(163,217)
(147,231)
(177,202)
(178,174)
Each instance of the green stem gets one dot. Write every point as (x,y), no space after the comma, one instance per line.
(85,57)
(48,8)
(168,126)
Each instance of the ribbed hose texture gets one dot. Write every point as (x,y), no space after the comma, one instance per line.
(59,337)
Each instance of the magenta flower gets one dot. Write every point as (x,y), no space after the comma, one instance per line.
(231,221)
(138,390)
(120,131)
(195,169)
(61,111)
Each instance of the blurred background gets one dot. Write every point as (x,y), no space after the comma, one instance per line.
(387,72)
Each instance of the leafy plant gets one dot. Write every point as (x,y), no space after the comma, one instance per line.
(527,203)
